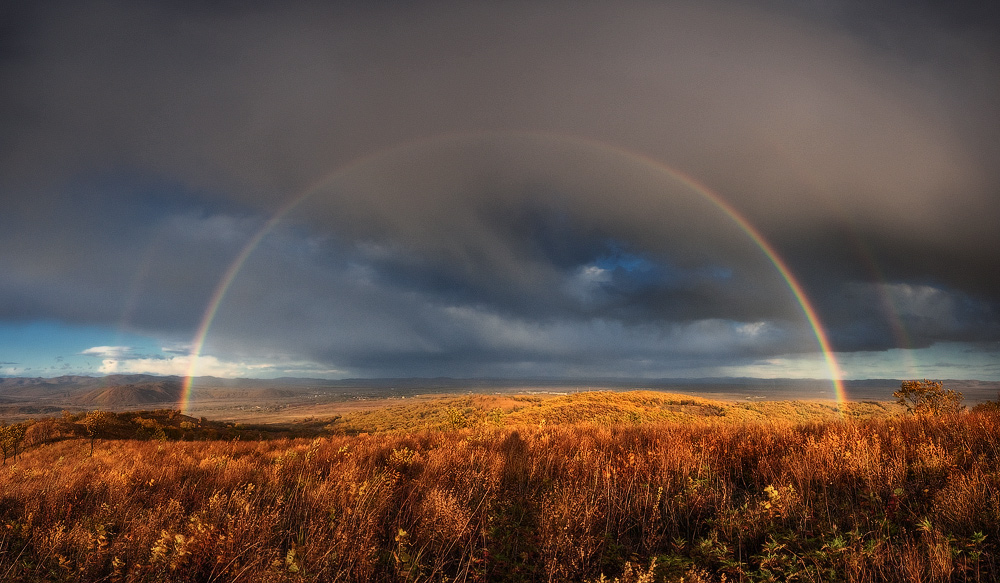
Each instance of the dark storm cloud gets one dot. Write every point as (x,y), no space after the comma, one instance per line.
(543,216)
(117,251)
(861,138)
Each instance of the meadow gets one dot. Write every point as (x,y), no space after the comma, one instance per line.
(590,487)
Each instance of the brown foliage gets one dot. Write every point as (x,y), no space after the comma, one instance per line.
(896,499)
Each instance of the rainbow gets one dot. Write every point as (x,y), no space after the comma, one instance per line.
(708,194)
(836,376)
(889,307)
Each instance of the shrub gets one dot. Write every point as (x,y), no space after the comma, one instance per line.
(928,398)
(988,406)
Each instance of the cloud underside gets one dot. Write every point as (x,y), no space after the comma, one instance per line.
(208,365)
(536,188)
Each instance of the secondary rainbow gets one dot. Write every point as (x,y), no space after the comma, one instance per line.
(772,255)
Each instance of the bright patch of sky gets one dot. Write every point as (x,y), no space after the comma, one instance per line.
(639,270)
(624,271)
(943,360)
(48,349)
(624,260)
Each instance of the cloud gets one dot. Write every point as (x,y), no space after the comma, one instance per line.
(177,349)
(208,365)
(107,351)
(487,214)
(123,359)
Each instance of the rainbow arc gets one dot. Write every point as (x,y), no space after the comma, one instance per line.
(690,182)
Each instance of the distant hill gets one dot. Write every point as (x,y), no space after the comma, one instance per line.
(140,389)
(19,387)
(165,392)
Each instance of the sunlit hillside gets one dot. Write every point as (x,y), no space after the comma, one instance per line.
(588,487)
(594,407)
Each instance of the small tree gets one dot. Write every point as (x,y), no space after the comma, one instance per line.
(928,398)
(16,435)
(6,440)
(95,423)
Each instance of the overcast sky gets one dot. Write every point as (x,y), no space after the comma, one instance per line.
(500,188)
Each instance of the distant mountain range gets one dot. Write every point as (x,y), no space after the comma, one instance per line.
(79,381)
(140,390)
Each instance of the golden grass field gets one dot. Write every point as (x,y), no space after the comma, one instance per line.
(598,486)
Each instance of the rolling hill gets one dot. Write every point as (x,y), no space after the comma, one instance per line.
(166,392)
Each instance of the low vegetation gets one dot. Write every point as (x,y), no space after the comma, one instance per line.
(595,407)
(589,487)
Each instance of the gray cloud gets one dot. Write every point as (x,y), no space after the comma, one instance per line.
(145,143)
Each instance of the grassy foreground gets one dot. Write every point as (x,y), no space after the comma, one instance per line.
(491,496)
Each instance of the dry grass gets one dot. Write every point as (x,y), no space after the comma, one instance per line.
(597,407)
(513,498)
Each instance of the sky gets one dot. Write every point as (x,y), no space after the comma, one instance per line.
(500,189)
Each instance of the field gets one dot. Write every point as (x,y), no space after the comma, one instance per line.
(635,486)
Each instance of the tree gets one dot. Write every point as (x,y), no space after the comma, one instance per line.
(11,437)
(95,423)
(17,433)
(6,440)
(928,398)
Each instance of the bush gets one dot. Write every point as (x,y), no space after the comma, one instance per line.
(988,406)
(928,398)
